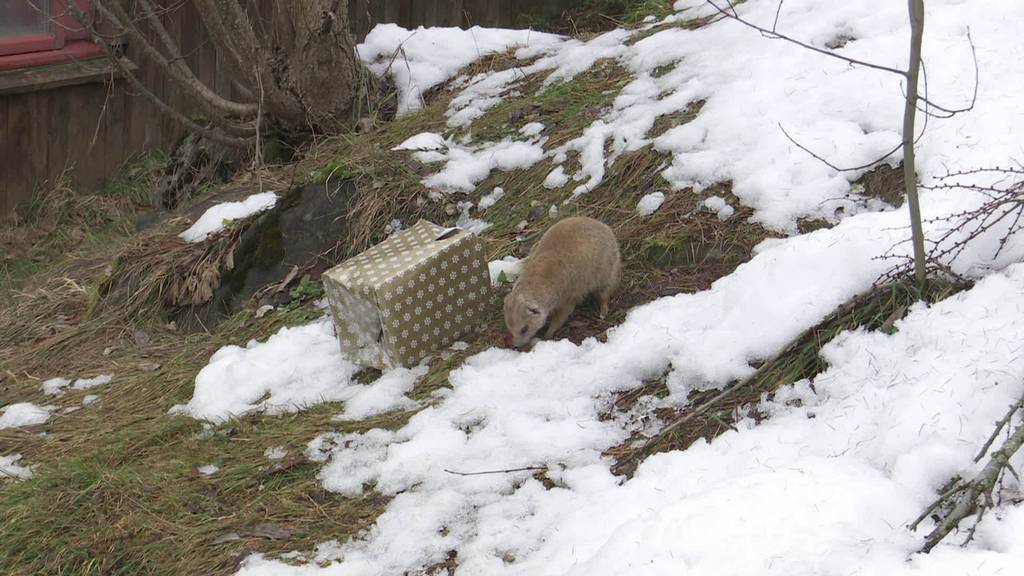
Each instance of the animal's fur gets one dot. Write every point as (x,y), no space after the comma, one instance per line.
(574,258)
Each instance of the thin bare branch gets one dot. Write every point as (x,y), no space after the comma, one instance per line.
(775,35)
(215,135)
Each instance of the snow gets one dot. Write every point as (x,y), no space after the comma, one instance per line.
(208,469)
(90,399)
(466,166)
(417,60)
(293,369)
(10,468)
(275,452)
(213,220)
(423,141)
(23,414)
(488,200)
(510,266)
(387,393)
(532,129)
(467,222)
(55,386)
(826,480)
(86,383)
(556,178)
(650,203)
(719,206)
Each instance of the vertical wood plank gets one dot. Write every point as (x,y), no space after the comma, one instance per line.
(19,131)
(6,159)
(453,17)
(114,149)
(59,116)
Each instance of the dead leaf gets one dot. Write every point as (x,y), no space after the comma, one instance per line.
(287,280)
(263,311)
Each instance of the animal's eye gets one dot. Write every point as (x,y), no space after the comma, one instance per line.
(533,311)
(523,331)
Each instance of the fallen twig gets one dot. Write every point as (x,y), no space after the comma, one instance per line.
(974,497)
(508,471)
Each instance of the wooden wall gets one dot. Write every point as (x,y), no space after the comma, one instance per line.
(92,128)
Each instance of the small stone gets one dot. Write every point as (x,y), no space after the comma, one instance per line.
(522,225)
(451,209)
(536,213)
(108,350)
(148,366)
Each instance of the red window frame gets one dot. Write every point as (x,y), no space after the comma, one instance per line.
(67,40)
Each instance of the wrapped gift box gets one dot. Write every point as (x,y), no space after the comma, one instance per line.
(413,294)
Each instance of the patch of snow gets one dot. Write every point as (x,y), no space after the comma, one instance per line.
(208,469)
(23,414)
(719,206)
(532,129)
(553,211)
(212,221)
(465,167)
(423,141)
(275,452)
(417,60)
(90,399)
(387,393)
(467,222)
(55,386)
(10,468)
(86,383)
(295,368)
(650,203)
(459,346)
(556,178)
(241,380)
(489,200)
(510,266)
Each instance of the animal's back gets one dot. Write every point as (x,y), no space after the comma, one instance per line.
(582,250)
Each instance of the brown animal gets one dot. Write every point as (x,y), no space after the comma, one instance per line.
(575,258)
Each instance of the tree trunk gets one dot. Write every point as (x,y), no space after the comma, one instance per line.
(314,60)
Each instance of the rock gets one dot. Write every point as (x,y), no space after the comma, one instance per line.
(451,209)
(536,213)
(523,224)
(305,223)
(148,366)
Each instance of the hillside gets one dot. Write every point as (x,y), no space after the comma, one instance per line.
(137,442)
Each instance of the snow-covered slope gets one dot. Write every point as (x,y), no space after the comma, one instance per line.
(826,485)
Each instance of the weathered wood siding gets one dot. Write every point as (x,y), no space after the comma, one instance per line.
(94,127)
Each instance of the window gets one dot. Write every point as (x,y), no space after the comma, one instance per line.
(40,32)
